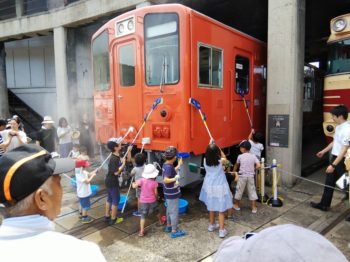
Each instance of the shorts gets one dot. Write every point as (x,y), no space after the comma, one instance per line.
(113,196)
(148,208)
(84,202)
(244,182)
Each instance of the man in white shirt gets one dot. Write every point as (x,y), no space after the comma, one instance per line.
(31,193)
(339,146)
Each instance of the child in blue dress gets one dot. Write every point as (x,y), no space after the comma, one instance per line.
(215,191)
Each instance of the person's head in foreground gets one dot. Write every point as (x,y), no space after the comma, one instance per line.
(30,182)
(285,243)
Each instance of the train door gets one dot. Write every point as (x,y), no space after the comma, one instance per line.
(127,85)
(242,86)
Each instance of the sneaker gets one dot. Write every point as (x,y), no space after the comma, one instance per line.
(116,221)
(136,214)
(107,219)
(230,218)
(86,220)
(222,233)
(237,208)
(178,233)
(254,211)
(167,229)
(141,233)
(213,227)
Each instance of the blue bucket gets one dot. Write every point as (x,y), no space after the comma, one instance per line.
(182,206)
(122,200)
(94,188)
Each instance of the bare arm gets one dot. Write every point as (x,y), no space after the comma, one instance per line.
(168,180)
(251,134)
(235,167)
(325,150)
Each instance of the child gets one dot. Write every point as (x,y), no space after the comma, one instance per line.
(255,139)
(247,163)
(83,154)
(148,194)
(137,172)
(115,168)
(83,179)
(74,153)
(215,192)
(172,192)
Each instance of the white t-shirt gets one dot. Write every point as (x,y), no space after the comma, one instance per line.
(247,162)
(83,189)
(31,238)
(256,149)
(67,137)
(14,141)
(341,137)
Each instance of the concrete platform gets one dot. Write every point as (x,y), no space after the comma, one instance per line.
(121,243)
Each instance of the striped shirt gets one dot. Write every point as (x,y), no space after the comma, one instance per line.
(171,191)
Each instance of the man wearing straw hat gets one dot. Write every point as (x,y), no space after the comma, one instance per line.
(31,194)
(47,136)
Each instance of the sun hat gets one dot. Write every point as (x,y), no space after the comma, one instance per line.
(24,169)
(48,120)
(150,171)
(279,243)
(81,163)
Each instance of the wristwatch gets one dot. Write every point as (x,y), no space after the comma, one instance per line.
(333,165)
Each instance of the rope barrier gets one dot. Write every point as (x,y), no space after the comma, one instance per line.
(311,181)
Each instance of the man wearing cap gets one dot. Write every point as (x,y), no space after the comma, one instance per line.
(31,194)
(47,135)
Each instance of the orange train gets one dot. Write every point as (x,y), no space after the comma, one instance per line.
(175,53)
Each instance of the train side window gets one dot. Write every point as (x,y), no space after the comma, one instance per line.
(209,67)
(242,74)
(126,55)
(100,55)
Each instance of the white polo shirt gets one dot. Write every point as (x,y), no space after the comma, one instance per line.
(31,238)
(341,137)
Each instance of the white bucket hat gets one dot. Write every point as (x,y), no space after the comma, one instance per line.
(48,120)
(150,171)
(279,243)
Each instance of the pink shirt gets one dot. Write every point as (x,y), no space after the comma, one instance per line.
(147,190)
(247,162)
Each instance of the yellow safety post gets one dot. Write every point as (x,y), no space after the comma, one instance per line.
(347,166)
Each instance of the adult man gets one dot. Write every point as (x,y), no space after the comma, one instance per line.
(47,136)
(31,193)
(339,146)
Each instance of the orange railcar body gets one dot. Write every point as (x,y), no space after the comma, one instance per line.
(176,122)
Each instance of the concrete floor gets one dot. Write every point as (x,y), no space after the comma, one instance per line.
(121,242)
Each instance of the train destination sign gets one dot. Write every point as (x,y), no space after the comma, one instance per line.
(278,130)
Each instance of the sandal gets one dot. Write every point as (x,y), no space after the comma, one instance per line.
(141,233)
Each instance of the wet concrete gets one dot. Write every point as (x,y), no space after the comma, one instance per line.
(121,242)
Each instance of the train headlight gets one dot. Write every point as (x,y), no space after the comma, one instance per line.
(339,25)
(130,25)
(330,128)
(120,29)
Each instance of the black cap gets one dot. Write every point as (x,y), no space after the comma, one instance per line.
(170,153)
(25,168)
(245,144)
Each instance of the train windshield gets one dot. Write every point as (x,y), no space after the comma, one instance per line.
(101,62)
(161,49)
(339,57)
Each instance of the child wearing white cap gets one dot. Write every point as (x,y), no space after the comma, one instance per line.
(148,195)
